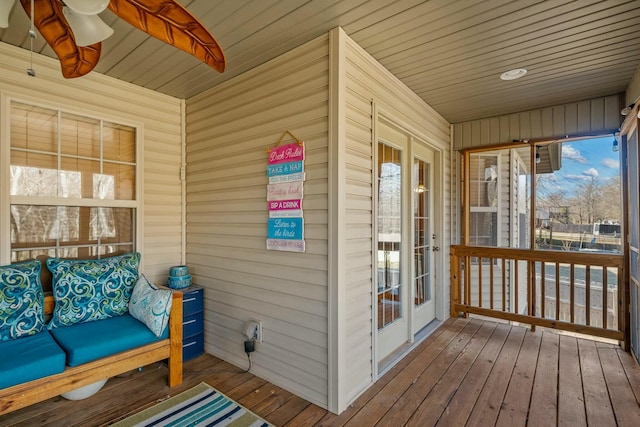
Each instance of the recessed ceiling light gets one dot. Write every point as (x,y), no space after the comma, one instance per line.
(513,74)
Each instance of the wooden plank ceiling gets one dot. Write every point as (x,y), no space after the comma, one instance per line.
(449,52)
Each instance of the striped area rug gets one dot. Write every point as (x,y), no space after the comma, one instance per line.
(200,406)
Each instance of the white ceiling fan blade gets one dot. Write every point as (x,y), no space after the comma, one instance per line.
(87,7)
(5,10)
(87,29)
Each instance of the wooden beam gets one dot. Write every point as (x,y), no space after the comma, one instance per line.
(545,323)
(565,257)
(25,394)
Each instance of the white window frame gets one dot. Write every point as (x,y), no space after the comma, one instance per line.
(6,200)
(480,209)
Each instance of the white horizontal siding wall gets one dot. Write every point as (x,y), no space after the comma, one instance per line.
(590,117)
(229,130)
(105,97)
(366,80)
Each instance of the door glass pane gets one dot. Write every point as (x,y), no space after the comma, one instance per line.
(389,232)
(422,231)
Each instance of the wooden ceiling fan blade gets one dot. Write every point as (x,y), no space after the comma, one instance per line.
(170,22)
(75,61)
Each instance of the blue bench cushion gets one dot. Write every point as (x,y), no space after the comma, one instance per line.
(29,358)
(85,342)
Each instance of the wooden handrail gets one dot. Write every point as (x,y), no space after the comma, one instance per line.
(568,257)
(540,306)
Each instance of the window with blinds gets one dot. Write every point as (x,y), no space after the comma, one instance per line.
(72,185)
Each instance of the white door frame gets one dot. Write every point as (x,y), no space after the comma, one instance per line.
(440,287)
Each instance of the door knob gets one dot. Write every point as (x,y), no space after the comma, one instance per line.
(436,248)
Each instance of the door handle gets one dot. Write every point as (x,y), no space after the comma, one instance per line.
(436,248)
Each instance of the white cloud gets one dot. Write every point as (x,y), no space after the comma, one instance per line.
(611,163)
(573,177)
(568,152)
(591,172)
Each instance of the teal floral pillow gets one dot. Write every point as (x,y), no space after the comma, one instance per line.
(150,305)
(21,300)
(88,290)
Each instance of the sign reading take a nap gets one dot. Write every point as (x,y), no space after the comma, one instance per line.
(285,170)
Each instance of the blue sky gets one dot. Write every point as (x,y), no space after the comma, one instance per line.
(584,159)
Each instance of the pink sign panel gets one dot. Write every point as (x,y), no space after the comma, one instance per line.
(278,205)
(286,153)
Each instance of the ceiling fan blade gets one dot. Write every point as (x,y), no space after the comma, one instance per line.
(170,22)
(75,61)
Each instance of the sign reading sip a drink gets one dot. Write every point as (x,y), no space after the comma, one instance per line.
(285,208)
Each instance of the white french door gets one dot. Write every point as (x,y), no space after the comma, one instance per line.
(405,281)
(424,238)
(392,284)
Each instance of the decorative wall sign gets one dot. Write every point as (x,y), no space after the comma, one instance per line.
(287,178)
(285,170)
(278,205)
(284,190)
(285,228)
(286,153)
(285,208)
(286,245)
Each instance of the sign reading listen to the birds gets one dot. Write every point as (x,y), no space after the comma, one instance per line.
(285,170)
(285,228)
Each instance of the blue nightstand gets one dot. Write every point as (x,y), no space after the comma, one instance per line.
(192,322)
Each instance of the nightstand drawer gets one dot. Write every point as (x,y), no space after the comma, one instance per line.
(192,347)
(192,325)
(192,301)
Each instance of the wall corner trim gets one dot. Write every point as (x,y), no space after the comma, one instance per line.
(336,204)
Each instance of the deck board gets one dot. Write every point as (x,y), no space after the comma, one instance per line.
(468,372)
(543,410)
(515,407)
(381,402)
(624,402)
(408,402)
(596,397)
(487,407)
(571,410)
(441,335)
(633,374)
(462,403)
(308,417)
(429,411)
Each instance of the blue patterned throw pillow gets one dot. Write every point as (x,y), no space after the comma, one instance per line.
(21,300)
(88,290)
(150,305)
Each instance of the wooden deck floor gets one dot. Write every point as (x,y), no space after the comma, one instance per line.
(468,372)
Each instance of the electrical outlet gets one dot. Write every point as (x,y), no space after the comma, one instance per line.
(253,330)
(258,334)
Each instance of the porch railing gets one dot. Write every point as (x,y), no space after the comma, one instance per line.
(572,291)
